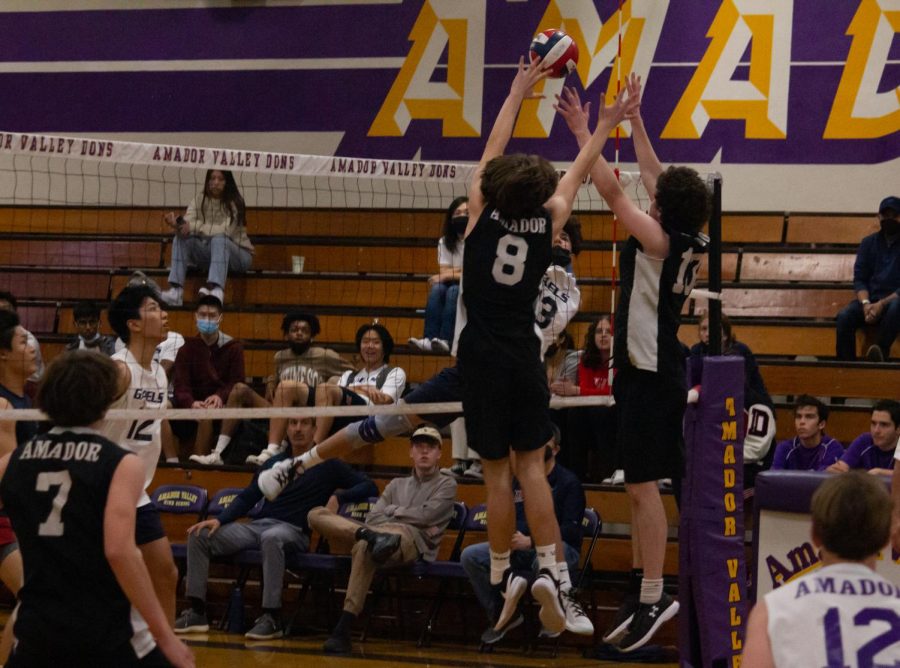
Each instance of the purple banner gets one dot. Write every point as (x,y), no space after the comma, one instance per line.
(712,569)
(777,82)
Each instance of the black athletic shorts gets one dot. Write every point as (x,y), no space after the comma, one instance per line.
(348,398)
(148,526)
(505,408)
(650,430)
(444,386)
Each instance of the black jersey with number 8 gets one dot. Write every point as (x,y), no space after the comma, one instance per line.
(503,264)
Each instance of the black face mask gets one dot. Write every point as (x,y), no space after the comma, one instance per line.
(458,224)
(560,256)
(299,348)
(890,226)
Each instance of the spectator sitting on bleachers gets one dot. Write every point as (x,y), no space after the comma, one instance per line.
(569,504)
(876,280)
(874,450)
(87,321)
(591,430)
(406,524)
(811,449)
(758,405)
(297,368)
(280,527)
(206,368)
(211,235)
(376,382)
(440,310)
(8,302)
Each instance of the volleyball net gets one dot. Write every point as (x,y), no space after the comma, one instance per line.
(348,239)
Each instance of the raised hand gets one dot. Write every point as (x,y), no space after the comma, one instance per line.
(569,106)
(526,79)
(613,114)
(633,86)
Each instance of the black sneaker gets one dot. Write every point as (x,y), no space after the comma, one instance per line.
(622,618)
(506,598)
(647,619)
(381,545)
(493,635)
(338,644)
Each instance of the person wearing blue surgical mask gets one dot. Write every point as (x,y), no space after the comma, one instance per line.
(206,369)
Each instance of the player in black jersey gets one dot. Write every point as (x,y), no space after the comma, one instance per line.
(658,270)
(517,204)
(71,494)
(18,361)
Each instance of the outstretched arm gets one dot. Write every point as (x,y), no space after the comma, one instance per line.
(648,231)
(521,89)
(591,145)
(649,164)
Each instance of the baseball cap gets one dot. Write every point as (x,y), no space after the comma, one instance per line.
(892,203)
(426,432)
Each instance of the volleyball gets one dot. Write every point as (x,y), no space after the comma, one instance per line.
(558,51)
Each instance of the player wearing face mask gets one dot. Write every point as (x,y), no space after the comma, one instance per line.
(440,311)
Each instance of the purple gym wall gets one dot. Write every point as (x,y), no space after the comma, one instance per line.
(755,89)
(712,570)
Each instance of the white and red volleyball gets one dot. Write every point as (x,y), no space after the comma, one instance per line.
(558,51)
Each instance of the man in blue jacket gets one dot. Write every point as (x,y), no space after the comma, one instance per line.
(876,281)
(280,527)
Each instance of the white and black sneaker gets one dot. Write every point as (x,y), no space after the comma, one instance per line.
(546,592)
(272,482)
(577,620)
(506,596)
(622,618)
(647,619)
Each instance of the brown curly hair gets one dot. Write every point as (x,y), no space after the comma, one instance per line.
(517,184)
(683,200)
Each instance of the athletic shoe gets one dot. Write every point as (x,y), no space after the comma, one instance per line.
(204,291)
(272,481)
(544,633)
(191,621)
(218,293)
(617,478)
(546,592)
(647,619)
(475,471)
(874,354)
(622,618)
(174,296)
(266,627)
(492,635)
(506,598)
(458,469)
(263,456)
(421,344)
(212,459)
(440,345)
(577,620)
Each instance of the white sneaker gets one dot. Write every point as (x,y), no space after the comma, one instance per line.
(422,344)
(577,620)
(218,293)
(617,478)
(174,296)
(272,482)
(475,471)
(262,457)
(546,592)
(440,345)
(212,459)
